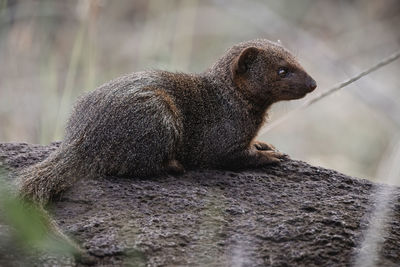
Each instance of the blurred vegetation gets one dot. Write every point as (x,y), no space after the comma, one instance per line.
(53,51)
(30,233)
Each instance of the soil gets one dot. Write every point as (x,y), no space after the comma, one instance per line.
(291,214)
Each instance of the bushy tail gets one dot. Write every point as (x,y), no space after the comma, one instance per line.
(42,181)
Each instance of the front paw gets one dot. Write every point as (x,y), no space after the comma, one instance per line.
(263,146)
(174,167)
(270,157)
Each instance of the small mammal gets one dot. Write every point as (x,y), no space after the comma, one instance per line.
(155,122)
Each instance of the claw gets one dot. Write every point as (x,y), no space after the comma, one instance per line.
(263,146)
(274,154)
(175,167)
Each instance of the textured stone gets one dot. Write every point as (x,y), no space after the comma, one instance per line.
(290,214)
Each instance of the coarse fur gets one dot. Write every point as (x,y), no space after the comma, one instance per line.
(155,122)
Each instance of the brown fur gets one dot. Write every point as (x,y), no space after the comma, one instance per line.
(149,123)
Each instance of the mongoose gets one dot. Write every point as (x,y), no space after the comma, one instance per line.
(154,122)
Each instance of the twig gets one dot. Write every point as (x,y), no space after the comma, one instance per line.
(375,67)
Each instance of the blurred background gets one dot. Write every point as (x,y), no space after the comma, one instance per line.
(53,51)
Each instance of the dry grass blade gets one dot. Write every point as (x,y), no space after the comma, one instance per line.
(377,232)
(341,85)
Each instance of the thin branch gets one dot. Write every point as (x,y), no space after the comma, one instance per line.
(351,80)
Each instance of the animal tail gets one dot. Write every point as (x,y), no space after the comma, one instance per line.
(44,180)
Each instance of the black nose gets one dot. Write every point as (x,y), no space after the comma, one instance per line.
(311,84)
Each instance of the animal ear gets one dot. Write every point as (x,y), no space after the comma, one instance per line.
(244,60)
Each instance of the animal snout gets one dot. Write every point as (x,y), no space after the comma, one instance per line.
(311,84)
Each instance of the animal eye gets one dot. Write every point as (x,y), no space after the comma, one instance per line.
(283,72)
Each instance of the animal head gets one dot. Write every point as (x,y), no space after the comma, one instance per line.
(266,70)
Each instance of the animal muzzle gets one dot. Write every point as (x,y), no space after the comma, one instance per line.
(311,84)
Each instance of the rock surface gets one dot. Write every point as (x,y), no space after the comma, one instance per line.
(292,214)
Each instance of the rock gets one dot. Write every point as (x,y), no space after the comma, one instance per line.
(290,214)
